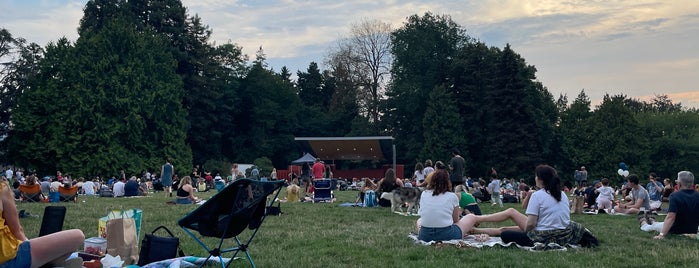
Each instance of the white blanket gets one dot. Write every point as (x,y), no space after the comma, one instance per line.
(471,242)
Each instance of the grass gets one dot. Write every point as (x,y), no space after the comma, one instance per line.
(326,235)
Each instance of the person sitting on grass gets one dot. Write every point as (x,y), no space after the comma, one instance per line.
(293,191)
(547,218)
(682,214)
(17,251)
(466,201)
(185,192)
(439,211)
(640,201)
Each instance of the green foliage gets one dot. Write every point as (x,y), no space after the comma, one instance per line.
(264,165)
(95,110)
(442,126)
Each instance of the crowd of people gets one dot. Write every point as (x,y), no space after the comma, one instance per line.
(448,207)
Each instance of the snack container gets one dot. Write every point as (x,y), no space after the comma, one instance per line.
(96,246)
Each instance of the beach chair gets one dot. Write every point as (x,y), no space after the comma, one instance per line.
(322,191)
(52,221)
(68,194)
(31,193)
(227,214)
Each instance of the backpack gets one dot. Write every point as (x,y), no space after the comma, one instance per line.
(369,199)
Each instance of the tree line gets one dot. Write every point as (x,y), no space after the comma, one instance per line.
(143,82)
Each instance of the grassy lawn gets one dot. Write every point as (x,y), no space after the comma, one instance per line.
(326,235)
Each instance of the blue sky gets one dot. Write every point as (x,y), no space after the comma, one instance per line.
(639,48)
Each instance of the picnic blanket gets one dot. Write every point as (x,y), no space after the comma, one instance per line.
(183,262)
(474,241)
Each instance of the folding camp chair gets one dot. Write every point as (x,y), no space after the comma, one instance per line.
(238,206)
(322,191)
(52,221)
(68,194)
(31,193)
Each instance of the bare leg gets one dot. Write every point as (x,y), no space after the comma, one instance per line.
(56,247)
(467,223)
(518,218)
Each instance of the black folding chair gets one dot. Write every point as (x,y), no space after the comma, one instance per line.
(52,220)
(238,206)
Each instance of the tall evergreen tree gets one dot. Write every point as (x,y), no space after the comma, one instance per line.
(423,49)
(442,130)
(105,114)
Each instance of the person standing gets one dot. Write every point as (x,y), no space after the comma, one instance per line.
(318,169)
(166,172)
(457,166)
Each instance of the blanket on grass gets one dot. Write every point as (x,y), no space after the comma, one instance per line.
(478,241)
(184,262)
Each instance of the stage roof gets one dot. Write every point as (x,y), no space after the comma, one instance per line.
(378,148)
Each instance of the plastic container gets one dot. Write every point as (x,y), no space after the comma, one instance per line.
(96,246)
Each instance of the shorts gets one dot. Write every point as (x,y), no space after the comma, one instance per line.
(440,233)
(23,259)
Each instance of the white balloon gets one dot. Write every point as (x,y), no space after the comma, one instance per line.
(621,172)
(626,173)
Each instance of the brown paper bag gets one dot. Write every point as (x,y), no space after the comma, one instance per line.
(122,240)
(578,202)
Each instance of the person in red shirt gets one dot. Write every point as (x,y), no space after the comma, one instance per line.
(318,169)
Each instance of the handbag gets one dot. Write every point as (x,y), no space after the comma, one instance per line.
(157,248)
(275,211)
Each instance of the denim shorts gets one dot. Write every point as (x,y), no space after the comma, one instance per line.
(440,234)
(183,201)
(23,258)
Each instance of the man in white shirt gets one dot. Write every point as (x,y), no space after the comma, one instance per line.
(118,188)
(89,187)
(9,174)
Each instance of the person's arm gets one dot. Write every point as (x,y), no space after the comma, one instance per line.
(669,220)
(399,182)
(525,202)
(456,214)
(191,194)
(9,213)
(531,222)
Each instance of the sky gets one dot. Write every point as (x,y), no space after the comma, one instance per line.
(638,48)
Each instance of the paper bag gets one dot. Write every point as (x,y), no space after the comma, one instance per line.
(134,213)
(122,240)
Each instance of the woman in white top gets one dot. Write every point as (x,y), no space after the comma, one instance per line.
(439,211)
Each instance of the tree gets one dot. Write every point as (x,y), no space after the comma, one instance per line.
(366,53)
(266,118)
(423,49)
(104,114)
(442,130)
(616,139)
(574,132)
(15,76)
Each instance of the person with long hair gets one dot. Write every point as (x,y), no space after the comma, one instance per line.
(419,175)
(387,185)
(185,191)
(439,211)
(547,218)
